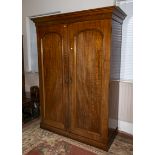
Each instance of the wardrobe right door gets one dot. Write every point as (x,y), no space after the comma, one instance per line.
(87,75)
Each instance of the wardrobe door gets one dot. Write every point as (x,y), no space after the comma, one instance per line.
(52,41)
(87,72)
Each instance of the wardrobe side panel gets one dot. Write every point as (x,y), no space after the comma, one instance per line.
(115,64)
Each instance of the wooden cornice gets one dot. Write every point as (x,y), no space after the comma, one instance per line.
(112,12)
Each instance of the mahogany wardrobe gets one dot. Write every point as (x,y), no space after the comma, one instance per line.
(79,55)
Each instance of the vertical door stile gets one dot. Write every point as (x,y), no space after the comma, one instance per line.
(42,68)
(66,75)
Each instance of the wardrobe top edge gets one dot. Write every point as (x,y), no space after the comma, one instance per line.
(113,10)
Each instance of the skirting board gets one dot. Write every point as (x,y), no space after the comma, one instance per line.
(125,127)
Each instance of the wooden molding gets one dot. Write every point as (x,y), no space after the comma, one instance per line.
(86,15)
(125,135)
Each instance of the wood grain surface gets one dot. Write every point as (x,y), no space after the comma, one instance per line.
(74,53)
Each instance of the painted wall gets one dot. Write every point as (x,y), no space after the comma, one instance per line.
(37,7)
(125,116)
(125,111)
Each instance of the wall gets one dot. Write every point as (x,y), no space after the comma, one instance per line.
(31,79)
(37,7)
(126,75)
(125,111)
(125,100)
(125,107)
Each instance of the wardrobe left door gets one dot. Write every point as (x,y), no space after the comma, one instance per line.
(53,62)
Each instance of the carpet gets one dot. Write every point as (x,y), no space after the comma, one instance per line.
(37,141)
(59,148)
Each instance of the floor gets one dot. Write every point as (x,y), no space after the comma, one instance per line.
(37,141)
